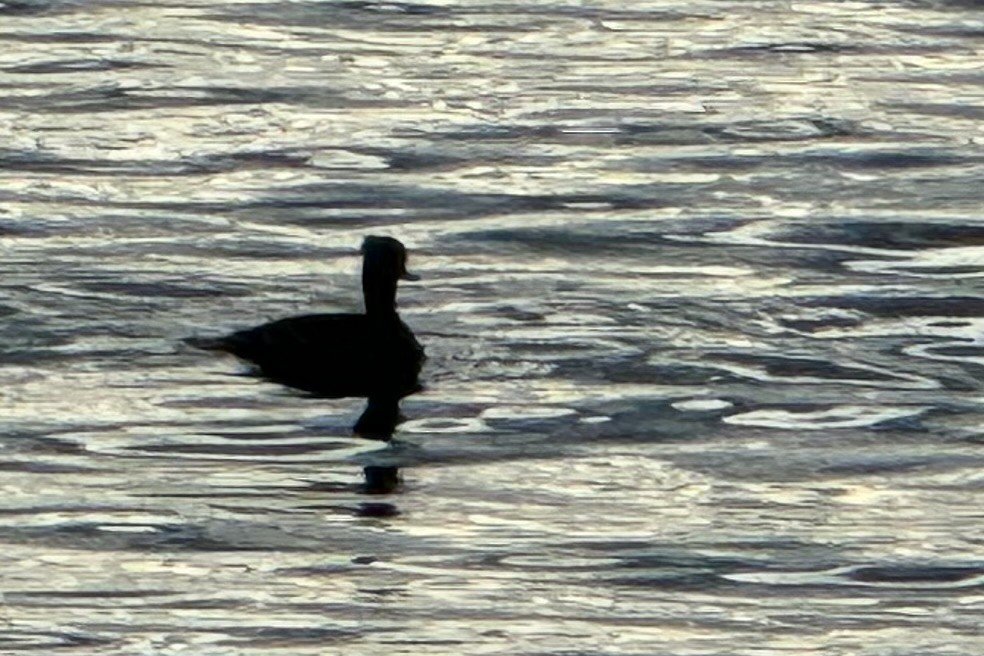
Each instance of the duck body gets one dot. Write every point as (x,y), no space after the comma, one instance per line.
(335,355)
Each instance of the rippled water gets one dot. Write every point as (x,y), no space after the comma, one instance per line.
(702,301)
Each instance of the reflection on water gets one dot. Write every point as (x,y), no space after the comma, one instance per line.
(379,421)
(699,295)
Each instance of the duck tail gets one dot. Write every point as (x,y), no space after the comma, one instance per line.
(207,343)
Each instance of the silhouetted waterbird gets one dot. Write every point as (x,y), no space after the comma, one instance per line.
(373,355)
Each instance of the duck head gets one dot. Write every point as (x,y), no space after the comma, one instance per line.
(384,263)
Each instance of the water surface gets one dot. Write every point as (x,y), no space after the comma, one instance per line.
(701,299)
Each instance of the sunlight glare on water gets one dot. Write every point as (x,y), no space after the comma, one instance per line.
(700,296)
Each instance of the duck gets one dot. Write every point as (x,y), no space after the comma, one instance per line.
(373,355)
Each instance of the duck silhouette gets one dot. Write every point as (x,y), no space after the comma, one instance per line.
(372,355)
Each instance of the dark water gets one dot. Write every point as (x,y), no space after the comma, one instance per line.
(702,299)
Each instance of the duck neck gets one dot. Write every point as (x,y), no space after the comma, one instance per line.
(380,294)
